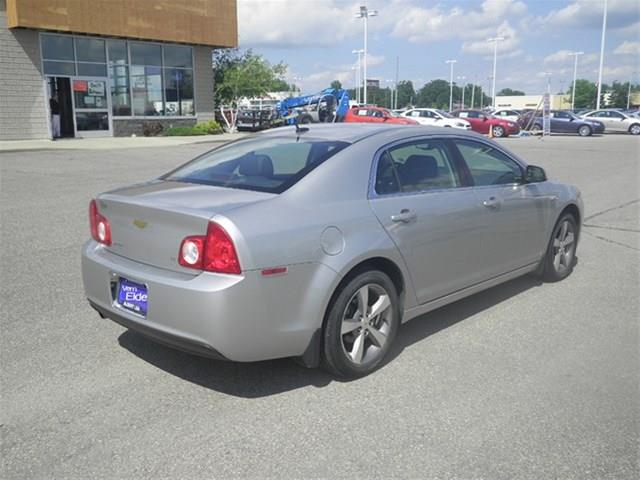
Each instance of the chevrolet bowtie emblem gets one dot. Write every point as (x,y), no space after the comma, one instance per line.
(140,223)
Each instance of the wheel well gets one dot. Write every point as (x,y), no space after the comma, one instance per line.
(573,210)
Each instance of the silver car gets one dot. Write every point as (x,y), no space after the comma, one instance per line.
(319,242)
(615,121)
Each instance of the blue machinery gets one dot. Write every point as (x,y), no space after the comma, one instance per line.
(329,105)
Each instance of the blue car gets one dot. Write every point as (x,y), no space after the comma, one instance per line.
(562,121)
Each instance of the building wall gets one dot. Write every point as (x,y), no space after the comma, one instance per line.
(23,111)
(197,22)
(203,79)
(532,101)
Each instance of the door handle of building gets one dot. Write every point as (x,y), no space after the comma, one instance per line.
(405,216)
(491,202)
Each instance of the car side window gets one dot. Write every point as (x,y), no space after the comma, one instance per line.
(473,114)
(426,114)
(487,165)
(419,166)
(463,114)
(616,115)
(362,112)
(414,113)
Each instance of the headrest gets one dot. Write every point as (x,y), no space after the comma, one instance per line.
(421,167)
(256,166)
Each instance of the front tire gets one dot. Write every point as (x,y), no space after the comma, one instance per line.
(634,129)
(559,259)
(498,131)
(584,131)
(361,325)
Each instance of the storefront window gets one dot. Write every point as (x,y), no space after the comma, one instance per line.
(178,57)
(145,54)
(146,89)
(57,47)
(59,68)
(90,50)
(178,91)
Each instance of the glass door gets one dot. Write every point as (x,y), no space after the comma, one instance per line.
(91,107)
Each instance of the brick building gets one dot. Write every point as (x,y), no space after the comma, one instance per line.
(108,67)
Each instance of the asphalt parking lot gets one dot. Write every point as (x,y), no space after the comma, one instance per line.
(525,380)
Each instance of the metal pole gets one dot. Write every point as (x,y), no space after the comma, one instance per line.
(495,41)
(604,29)
(463,78)
(365,58)
(473,93)
(629,92)
(575,74)
(394,103)
(451,62)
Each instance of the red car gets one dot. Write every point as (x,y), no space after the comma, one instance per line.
(482,123)
(375,115)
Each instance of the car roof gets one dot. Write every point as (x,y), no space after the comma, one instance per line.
(354,132)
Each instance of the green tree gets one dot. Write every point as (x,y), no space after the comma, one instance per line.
(336,84)
(239,75)
(406,93)
(507,92)
(586,92)
(617,94)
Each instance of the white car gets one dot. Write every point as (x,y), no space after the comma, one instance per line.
(506,114)
(435,117)
(615,121)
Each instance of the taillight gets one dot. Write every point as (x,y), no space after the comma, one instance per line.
(213,252)
(100,228)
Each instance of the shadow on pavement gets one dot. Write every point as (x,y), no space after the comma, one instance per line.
(260,379)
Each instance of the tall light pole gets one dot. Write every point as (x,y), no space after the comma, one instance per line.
(629,92)
(604,29)
(575,73)
(358,67)
(463,78)
(495,41)
(365,13)
(451,62)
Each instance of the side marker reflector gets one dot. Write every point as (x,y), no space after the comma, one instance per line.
(274,271)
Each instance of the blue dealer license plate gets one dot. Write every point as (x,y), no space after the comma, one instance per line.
(132,296)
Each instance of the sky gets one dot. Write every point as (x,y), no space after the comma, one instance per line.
(315,38)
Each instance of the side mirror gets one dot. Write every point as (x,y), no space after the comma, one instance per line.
(484,118)
(385,118)
(535,174)
(437,118)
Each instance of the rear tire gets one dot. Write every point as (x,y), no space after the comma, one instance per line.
(498,131)
(584,131)
(634,129)
(536,129)
(559,258)
(354,345)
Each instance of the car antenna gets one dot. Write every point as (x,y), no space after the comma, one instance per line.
(300,129)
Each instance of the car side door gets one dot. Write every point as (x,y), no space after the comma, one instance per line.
(561,122)
(616,122)
(601,116)
(422,201)
(515,214)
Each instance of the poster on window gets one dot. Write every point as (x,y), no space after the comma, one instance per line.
(96,89)
(80,86)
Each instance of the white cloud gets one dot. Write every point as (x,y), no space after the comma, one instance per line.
(507,48)
(290,24)
(628,48)
(588,14)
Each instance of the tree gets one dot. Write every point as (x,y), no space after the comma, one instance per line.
(336,84)
(507,92)
(586,92)
(406,93)
(617,94)
(239,75)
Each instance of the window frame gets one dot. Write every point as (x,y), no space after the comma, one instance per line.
(461,170)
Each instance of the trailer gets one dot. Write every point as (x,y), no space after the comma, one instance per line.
(329,105)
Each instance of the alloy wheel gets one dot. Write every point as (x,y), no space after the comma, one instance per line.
(634,130)
(366,324)
(498,131)
(584,131)
(563,247)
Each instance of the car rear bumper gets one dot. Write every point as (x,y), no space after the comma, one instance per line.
(247,317)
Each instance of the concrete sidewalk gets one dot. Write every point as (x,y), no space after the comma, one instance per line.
(112,143)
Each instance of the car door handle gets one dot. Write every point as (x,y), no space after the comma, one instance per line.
(491,202)
(405,216)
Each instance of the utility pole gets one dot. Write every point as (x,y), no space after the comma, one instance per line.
(463,78)
(629,92)
(365,13)
(604,29)
(451,62)
(395,96)
(358,65)
(495,41)
(575,73)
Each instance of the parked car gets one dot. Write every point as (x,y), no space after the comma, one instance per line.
(318,242)
(615,121)
(507,114)
(369,114)
(482,122)
(435,117)
(562,121)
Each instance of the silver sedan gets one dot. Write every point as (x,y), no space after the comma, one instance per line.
(319,242)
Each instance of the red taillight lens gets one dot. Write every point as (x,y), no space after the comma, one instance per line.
(100,228)
(213,252)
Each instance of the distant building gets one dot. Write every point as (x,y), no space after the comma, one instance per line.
(108,67)
(532,101)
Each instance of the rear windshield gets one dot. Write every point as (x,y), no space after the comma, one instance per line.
(270,164)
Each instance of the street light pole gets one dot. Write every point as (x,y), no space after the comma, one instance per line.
(575,73)
(463,78)
(629,92)
(365,13)
(451,62)
(495,41)
(358,66)
(604,29)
